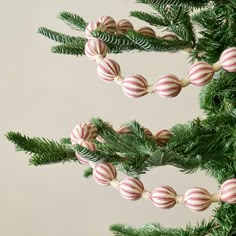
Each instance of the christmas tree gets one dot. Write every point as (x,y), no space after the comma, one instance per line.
(206,30)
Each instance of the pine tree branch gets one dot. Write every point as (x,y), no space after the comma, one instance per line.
(43,151)
(69,48)
(74,21)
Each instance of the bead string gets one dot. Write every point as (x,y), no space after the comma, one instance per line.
(165,197)
(134,86)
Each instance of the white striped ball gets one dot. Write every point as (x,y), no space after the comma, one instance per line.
(168,86)
(147,132)
(169,37)
(90,146)
(108,69)
(92,26)
(197,199)
(228,59)
(163,197)
(95,48)
(147,31)
(135,86)
(93,130)
(109,22)
(228,191)
(131,188)
(124,130)
(104,173)
(81,159)
(200,73)
(123,26)
(163,137)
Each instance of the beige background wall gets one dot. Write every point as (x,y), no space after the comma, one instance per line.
(44,94)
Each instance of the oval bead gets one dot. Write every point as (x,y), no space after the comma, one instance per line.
(124,130)
(228,59)
(197,199)
(200,73)
(168,86)
(108,69)
(81,159)
(135,86)
(104,173)
(123,26)
(228,191)
(131,188)
(92,26)
(147,132)
(163,137)
(147,31)
(95,48)
(109,22)
(169,37)
(163,197)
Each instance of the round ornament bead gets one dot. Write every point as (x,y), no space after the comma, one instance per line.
(228,191)
(200,73)
(168,86)
(131,188)
(92,26)
(95,48)
(228,59)
(81,159)
(163,197)
(163,137)
(124,130)
(108,69)
(123,26)
(135,86)
(169,37)
(147,31)
(147,132)
(109,22)
(197,199)
(104,173)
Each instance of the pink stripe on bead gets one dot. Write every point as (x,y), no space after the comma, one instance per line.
(135,86)
(131,188)
(163,197)
(147,132)
(104,173)
(123,26)
(228,191)
(163,137)
(94,48)
(147,31)
(197,199)
(108,69)
(200,73)
(228,59)
(81,159)
(124,130)
(92,26)
(168,86)
(109,22)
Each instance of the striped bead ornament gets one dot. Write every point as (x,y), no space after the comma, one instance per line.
(108,69)
(81,159)
(95,48)
(131,188)
(92,26)
(163,137)
(200,73)
(169,37)
(104,173)
(168,86)
(123,26)
(109,22)
(163,197)
(228,191)
(228,59)
(197,199)
(124,130)
(147,31)
(135,86)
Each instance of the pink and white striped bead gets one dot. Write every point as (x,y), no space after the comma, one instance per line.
(147,132)
(168,86)
(163,197)
(147,31)
(200,73)
(92,26)
(95,48)
(108,69)
(123,26)
(169,37)
(131,188)
(104,173)
(81,159)
(124,130)
(197,199)
(135,86)
(228,191)
(109,22)
(163,137)
(228,59)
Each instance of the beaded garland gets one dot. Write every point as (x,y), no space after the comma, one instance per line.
(135,86)
(196,199)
